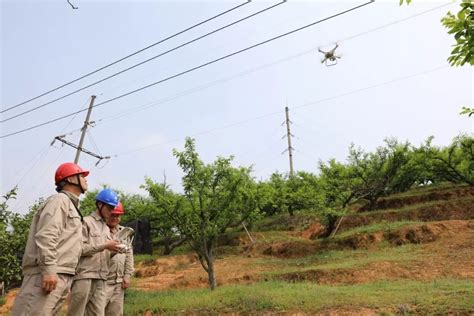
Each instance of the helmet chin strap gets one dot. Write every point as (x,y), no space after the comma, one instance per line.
(78,184)
(100,210)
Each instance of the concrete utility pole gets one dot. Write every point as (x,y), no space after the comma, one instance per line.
(79,147)
(288,137)
(84,129)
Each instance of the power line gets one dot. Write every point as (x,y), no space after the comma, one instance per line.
(141,63)
(254,69)
(199,133)
(128,56)
(372,86)
(194,68)
(294,107)
(45,150)
(391,23)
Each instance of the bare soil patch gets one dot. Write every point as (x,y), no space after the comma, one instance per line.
(413,234)
(451,255)
(185,271)
(9,299)
(461,209)
(290,249)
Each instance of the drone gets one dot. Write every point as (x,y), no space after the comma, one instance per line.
(330,58)
(125,236)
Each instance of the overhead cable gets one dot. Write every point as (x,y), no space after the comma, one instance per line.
(141,63)
(126,57)
(193,69)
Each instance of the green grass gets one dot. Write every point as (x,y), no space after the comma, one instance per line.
(413,207)
(277,222)
(2,300)
(343,259)
(437,297)
(277,236)
(383,226)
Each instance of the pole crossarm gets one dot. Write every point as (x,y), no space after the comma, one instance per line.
(61,139)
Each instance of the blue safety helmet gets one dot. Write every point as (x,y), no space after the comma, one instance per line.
(108,196)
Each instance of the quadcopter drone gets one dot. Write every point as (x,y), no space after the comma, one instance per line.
(125,236)
(330,58)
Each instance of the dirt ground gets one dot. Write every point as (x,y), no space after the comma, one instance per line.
(9,298)
(447,250)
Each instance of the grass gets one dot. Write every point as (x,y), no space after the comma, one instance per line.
(2,300)
(438,297)
(343,259)
(413,206)
(383,226)
(280,222)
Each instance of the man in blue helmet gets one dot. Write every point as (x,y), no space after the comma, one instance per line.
(88,288)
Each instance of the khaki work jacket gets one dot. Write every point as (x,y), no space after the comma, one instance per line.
(54,241)
(94,262)
(121,264)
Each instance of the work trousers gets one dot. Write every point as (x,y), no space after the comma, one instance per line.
(87,298)
(33,300)
(114,299)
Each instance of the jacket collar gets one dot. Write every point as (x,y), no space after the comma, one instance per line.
(74,198)
(96,216)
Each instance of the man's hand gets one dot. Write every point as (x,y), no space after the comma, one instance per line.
(112,245)
(125,282)
(49,282)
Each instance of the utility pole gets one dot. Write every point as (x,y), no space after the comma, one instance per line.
(84,129)
(288,137)
(79,147)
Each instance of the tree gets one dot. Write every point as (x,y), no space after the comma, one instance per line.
(338,184)
(378,172)
(305,192)
(455,163)
(13,236)
(160,212)
(280,199)
(461,25)
(216,196)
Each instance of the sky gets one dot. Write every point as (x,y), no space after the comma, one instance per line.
(392,80)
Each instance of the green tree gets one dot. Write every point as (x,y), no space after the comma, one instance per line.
(305,192)
(377,173)
(338,184)
(461,25)
(216,196)
(161,211)
(13,235)
(455,163)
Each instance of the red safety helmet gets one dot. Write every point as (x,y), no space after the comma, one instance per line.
(118,210)
(68,169)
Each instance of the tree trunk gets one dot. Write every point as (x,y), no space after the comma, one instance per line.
(210,272)
(290,210)
(169,246)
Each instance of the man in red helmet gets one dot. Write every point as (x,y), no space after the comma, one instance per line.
(120,267)
(53,247)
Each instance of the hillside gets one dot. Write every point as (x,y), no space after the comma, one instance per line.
(413,254)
